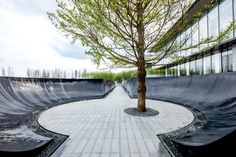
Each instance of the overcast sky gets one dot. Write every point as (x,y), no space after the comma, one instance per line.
(29,40)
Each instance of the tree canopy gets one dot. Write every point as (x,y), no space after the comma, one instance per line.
(110,27)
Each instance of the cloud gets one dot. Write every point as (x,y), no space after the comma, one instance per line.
(29,40)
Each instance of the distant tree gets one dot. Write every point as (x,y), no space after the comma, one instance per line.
(28,72)
(3,71)
(123,32)
(10,71)
(76,74)
(37,73)
(64,74)
(84,74)
(44,74)
(79,74)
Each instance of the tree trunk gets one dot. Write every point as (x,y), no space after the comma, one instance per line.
(141,89)
(141,60)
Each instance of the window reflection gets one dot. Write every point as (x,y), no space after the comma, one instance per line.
(234,1)
(176,69)
(207,65)
(182,70)
(216,62)
(213,23)
(195,37)
(227,61)
(203,30)
(188,35)
(226,15)
(192,68)
(216,20)
(169,72)
(199,67)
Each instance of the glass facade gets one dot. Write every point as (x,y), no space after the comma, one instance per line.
(227,61)
(183,70)
(195,37)
(213,25)
(207,65)
(234,13)
(216,60)
(199,67)
(203,31)
(226,15)
(192,67)
(189,41)
(216,63)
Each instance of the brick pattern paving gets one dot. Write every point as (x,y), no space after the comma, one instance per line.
(100,128)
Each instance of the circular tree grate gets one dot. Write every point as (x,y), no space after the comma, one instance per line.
(148,113)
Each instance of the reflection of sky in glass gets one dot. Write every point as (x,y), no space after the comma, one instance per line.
(213,22)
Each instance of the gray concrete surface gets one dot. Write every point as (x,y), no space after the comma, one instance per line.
(100,128)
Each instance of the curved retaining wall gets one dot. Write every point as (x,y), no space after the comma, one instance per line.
(21,98)
(213,95)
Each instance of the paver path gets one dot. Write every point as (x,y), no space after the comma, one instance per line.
(100,128)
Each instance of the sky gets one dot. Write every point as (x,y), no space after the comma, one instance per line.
(29,40)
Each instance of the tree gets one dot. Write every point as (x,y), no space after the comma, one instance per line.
(28,72)
(3,71)
(10,71)
(124,32)
(84,74)
(76,74)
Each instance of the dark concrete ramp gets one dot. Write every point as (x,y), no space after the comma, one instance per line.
(212,95)
(22,99)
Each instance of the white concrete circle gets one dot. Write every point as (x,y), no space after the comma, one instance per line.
(101,128)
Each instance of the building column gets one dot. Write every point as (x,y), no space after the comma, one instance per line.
(187,66)
(178,70)
(234,56)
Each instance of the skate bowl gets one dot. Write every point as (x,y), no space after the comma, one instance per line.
(214,96)
(23,99)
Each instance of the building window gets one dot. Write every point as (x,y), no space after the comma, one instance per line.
(183,44)
(182,70)
(169,72)
(203,30)
(207,65)
(226,15)
(216,62)
(227,60)
(199,67)
(188,36)
(234,1)
(178,43)
(192,67)
(174,71)
(195,37)
(213,23)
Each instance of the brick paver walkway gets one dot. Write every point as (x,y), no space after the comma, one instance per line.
(100,128)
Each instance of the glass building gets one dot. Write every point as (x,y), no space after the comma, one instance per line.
(221,58)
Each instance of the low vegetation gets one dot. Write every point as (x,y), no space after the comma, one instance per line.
(84,74)
(123,75)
